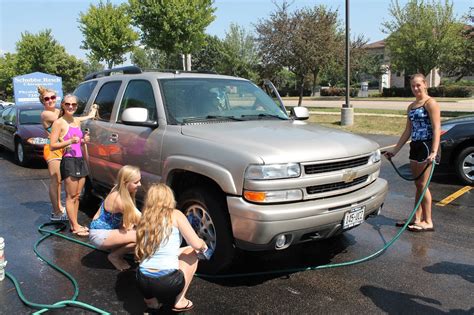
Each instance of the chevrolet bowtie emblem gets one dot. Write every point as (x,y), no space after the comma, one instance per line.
(348,176)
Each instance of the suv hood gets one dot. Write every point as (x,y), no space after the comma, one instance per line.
(282,141)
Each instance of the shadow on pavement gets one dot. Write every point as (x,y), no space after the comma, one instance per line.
(288,261)
(392,302)
(449,268)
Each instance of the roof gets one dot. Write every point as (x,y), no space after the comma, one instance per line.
(375,45)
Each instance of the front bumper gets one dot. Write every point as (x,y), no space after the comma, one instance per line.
(255,227)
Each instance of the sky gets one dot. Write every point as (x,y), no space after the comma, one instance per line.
(61,16)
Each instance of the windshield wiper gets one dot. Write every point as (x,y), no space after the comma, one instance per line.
(210,117)
(260,116)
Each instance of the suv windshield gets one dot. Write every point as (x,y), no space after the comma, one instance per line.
(191,100)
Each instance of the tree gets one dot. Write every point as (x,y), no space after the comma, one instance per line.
(174,26)
(240,55)
(42,53)
(7,72)
(107,32)
(421,34)
(209,57)
(459,62)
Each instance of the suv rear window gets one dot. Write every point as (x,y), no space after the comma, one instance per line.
(106,98)
(83,93)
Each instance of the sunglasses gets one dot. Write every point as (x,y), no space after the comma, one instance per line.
(47,98)
(70,104)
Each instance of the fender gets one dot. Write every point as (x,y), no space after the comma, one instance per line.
(208,169)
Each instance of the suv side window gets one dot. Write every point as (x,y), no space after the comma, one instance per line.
(105,99)
(139,93)
(83,93)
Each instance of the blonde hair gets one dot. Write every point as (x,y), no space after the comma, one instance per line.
(126,175)
(156,223)
(42,91)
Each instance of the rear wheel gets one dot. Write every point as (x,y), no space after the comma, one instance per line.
(464,165)
(206,210)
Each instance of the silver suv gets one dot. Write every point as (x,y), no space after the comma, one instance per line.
(246,174)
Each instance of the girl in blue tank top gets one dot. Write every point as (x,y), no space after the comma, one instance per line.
(166,269)
(113,226)
(424,127)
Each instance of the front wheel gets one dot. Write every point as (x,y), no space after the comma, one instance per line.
(20,156)
(464,165)
(207,212)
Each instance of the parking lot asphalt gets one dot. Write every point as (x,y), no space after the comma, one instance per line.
(422,273)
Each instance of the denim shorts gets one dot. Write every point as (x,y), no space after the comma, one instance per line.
(164,288)
(98,236)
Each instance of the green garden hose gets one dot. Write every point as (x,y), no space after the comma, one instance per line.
(72,302)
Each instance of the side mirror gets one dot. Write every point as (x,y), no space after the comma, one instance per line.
(137,116)
(299,113)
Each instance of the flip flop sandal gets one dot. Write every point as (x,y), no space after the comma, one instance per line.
(417,229)
(184,309)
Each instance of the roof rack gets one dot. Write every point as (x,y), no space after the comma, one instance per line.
(124,70)
(176,71)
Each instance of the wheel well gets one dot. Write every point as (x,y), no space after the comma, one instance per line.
(459,148)
(181,180)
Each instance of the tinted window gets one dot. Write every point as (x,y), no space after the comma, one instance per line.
(30,117)
(106,98)
(83,93)
(139,93)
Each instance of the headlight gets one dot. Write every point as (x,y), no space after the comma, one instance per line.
(273,171)
(273,196)
(375,157)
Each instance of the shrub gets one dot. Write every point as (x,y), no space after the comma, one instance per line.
(440,91)
(335,91)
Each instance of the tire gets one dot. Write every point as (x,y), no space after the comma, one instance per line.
(207,212)
(20,156)
(464,166)
(88,201)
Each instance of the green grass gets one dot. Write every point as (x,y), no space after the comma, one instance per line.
(372,98)
(371,124)
(364,124)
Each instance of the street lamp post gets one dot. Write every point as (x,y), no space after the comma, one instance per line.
(347,112)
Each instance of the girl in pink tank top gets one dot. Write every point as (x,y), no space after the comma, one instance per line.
(73,167)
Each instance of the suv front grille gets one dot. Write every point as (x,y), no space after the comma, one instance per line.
(335,166)
(335,186)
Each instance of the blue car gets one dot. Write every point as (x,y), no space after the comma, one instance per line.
(457,147)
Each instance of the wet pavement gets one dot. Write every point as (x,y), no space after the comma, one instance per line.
(422,273)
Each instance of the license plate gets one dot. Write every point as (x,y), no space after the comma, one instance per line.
(353,217)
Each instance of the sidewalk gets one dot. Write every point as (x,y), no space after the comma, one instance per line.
(459,106)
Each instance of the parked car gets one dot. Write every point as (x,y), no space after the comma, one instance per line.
(245,173)
(457,147)
(21,132)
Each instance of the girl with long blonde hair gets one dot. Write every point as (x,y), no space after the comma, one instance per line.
(166,269)
(113,226)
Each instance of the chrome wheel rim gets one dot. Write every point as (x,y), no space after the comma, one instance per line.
(20,153)
(202,223)
(468,166)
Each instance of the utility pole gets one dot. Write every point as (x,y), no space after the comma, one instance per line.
(347,112)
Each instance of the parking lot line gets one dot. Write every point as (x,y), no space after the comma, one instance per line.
(454,196)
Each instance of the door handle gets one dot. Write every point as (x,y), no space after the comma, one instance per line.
(114,138)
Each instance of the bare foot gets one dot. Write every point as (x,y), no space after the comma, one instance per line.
(118,262)
(183,305)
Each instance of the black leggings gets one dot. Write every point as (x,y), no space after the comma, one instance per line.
(165,288)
